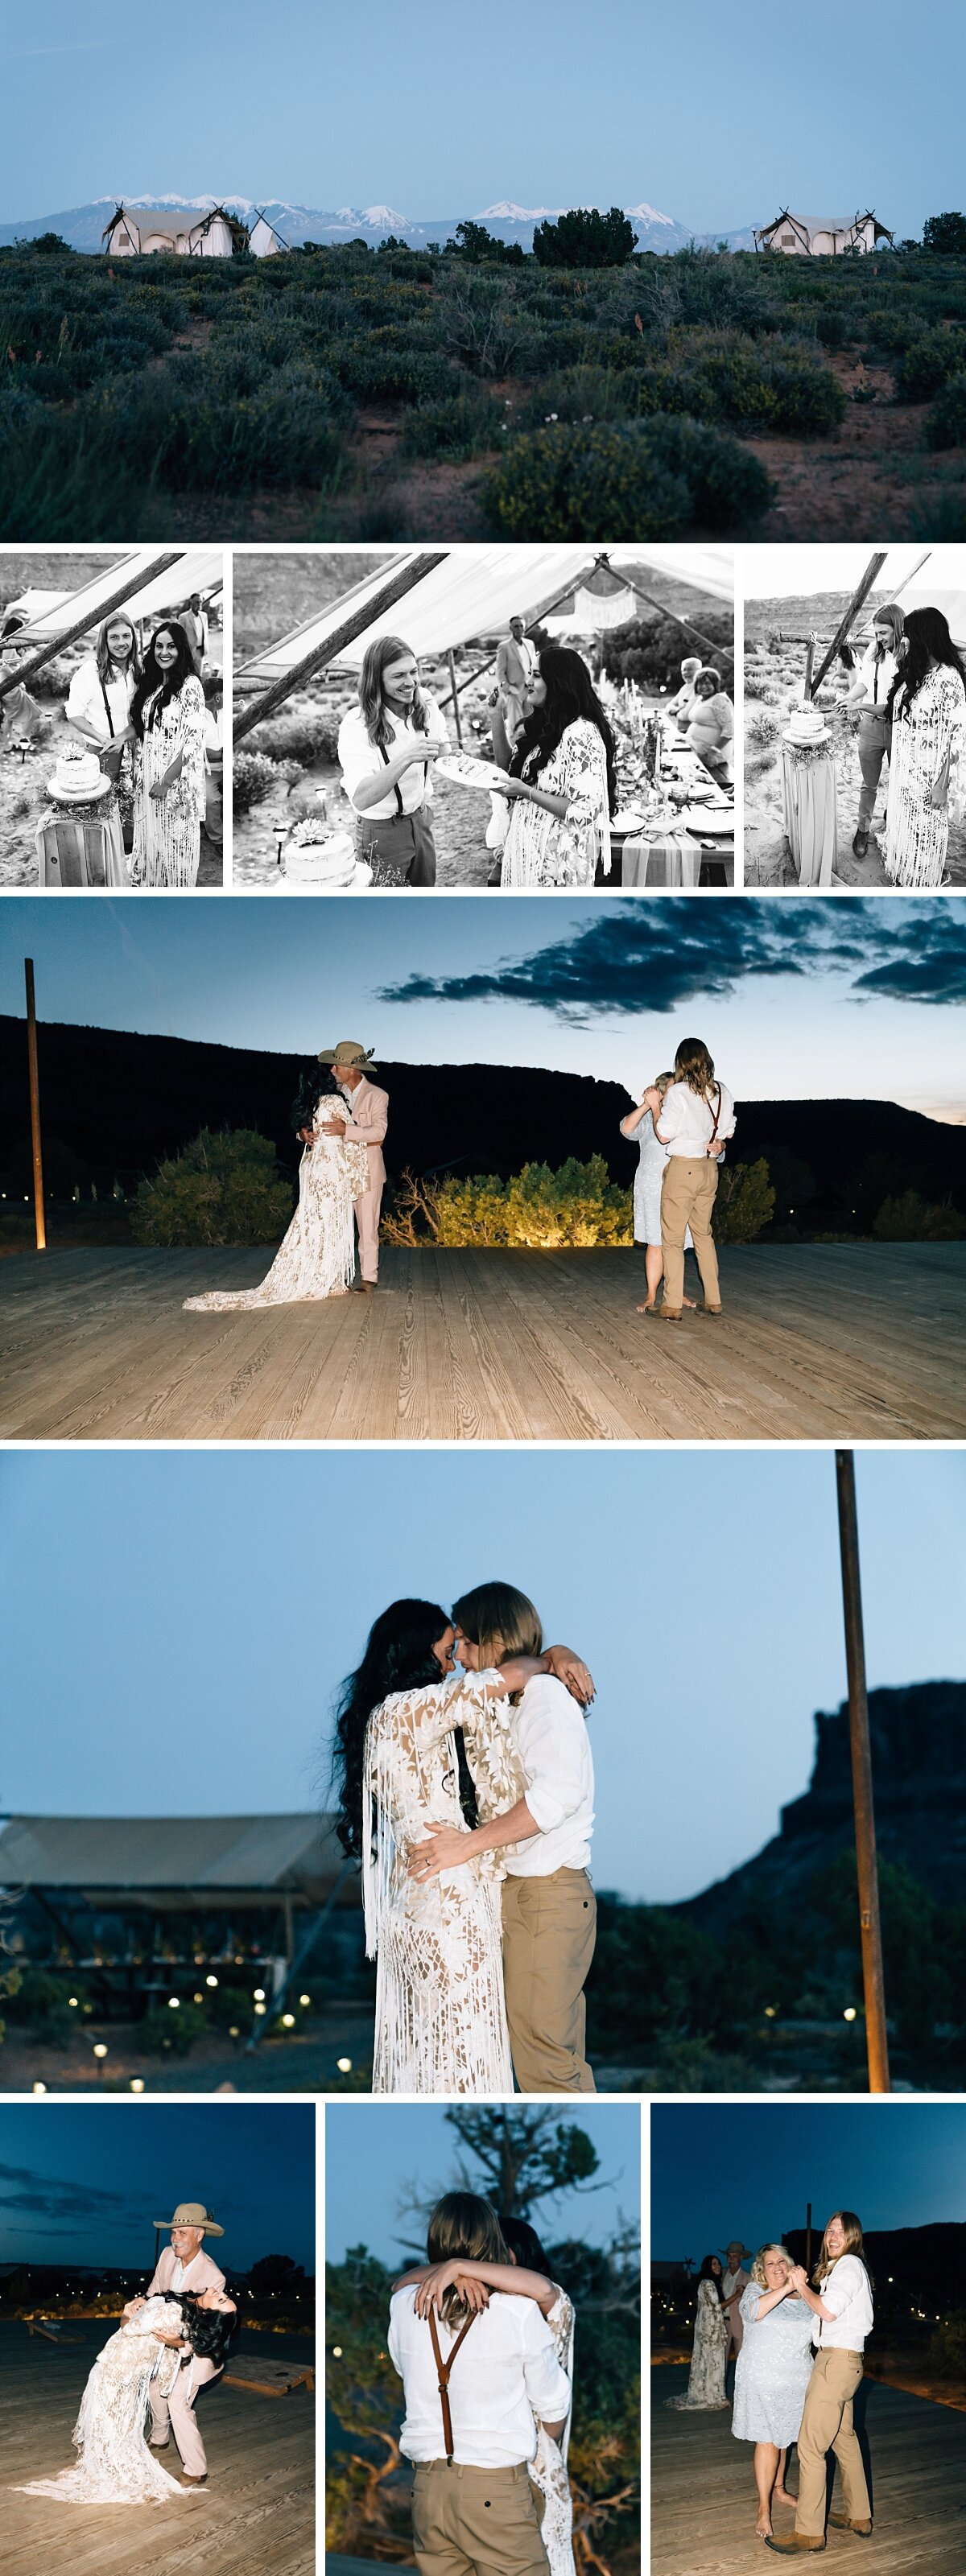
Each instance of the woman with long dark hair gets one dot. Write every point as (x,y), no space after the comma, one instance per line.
(168,720)
(706,2379)
(436,1934)
(387,745)
(561,777)
(115,2463)
(927,762)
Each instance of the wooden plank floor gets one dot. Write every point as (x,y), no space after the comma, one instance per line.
(822,1341)
(256,2513)
(703,2495)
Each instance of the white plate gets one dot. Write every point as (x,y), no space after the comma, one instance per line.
(707,822)
(463,771)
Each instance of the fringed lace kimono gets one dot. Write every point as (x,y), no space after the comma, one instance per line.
(114,2463)
(549,2469)
(440,2016)
(540,850)
(928,749)
(167,829)
(706,2382)
(317,1256)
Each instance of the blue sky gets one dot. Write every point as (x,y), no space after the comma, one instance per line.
(825,1000)
(176,1647)
(716,116)
(376,2162)
(718,2171)
(83,2183)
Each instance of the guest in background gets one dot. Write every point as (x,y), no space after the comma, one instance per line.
(706,2380)
(711,726)
(871,685)
(735,2281)
(683,705)
(515,666)
(195,625)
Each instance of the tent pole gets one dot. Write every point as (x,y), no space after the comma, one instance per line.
(396,588)
(809,659)
(39,1224)
(870,575)
(456,703)
(133,582)
(865,1850)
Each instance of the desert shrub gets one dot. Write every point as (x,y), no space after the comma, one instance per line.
(301,734)
(376,372)
(164,2033)
(928,363)
(727,484)
(649,649)
(41,2000)
(570,482)
(725,377)
(460,425)
(912,1219)
(221,1189)
(482,321)
(745,1202)
(255,774)
(946,418)
(947,2348)
(584,238)
(577,1206)
(763,727)
(944,233)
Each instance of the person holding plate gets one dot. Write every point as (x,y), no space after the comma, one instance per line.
(387,745)
(561,777)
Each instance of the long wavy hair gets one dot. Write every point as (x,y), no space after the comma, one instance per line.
(694,1065)
(708,2273)
(570,695)
(894,618)
(398,1657)
(377,656)
(167,684)
(105,659)
(316,1082)
(929,640)
(853,2245)
(209,2331)
(463,2223)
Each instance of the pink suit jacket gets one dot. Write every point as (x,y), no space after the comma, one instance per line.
(201,2274)
(366,1124)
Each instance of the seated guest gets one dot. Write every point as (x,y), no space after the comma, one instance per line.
(683,705)
(711,728)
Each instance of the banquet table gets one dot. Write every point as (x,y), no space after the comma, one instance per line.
(81,847)
(670,859)
(809,809)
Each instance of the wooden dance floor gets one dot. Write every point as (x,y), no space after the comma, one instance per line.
(255,2515)
(703,2491)
(825,1341)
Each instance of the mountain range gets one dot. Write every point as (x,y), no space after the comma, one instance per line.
(83,226)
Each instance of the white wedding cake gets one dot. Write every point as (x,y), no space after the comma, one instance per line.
(317,856)
(807,724)
(78,776)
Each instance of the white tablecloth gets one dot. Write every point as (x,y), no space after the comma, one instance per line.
(80,849)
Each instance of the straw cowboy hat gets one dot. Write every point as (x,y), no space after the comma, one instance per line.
(348,1053)
(191,2213)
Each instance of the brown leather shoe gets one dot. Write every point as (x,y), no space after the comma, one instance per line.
(709,1310)
(364,1287)
(661,1314)
(795,2543)
(188,2481)
(840,2522)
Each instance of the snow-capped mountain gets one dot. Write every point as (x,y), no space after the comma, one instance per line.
(83,226)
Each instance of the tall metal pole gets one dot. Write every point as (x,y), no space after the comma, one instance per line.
(40,1226)
(868,1875)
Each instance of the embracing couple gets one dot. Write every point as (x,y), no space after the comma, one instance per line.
(468,1798)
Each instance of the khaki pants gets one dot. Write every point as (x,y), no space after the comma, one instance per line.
(827,2426)
(687,1198)
(367,1211)
(176,2414)
(549,1929)
(476,2522)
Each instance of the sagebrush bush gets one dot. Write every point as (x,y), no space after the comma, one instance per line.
(946,418)
(300,734)
(578,1206)
(256,773)
(762,727)
(222,1189)
(928,363)
(744,1202)
(377,372)
(912,1219)
(459,426)
(729,488)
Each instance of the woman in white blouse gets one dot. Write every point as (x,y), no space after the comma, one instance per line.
(98,706)
(872,679)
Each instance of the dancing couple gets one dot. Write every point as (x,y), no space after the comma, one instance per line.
(147,724)
(682,1125)
(341,1179)
(468,1800)
(172,2342)
(482,2339)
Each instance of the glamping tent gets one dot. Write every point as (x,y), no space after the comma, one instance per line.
(263,239)
(822,236)
(191,232)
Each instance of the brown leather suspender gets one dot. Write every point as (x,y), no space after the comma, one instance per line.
(443,2369)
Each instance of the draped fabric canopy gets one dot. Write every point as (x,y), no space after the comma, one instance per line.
(197,568)
(477,589)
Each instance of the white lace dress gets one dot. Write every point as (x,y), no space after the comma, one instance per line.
(317,1256)
(440,2015)
(549,2468)
(540,850)
(167,829)
(929,744)
(114,2464)
(706,2384)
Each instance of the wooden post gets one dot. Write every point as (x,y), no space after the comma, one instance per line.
(809,659)
(96,617)
(456,704)
(395,588)
(808,2237)
(38,1161)
(868,1876)
(870,575)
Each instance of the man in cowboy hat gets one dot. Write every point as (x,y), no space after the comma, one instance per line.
(365,1124)
(184,2266)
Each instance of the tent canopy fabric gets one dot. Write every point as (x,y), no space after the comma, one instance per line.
(141,1852)
(475,592)
(198,568)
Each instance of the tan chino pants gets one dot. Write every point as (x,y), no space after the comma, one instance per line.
(687,1199)
(476,2522)
(827,2426)
(549,1930)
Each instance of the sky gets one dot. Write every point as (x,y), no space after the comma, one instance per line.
(84,2182)
(718,118)
(728,2168)
(377,2162)
(175,1647)
(795,572)
(852,999)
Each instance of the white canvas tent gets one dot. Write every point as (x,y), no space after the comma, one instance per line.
(475,591)
(198,568)
(263,240)
(35,603)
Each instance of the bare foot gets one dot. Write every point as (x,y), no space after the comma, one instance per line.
(763,2529)
(649,1308)
(780,2495)
(692,1302)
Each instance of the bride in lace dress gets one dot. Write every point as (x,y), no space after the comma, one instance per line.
(440,2017)
(317,1257)
(114,2464)
(706,2378)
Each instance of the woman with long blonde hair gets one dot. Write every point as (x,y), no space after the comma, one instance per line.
(387,745)
(772,2373)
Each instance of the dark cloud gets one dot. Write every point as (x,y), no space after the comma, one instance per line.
(657,955)
(44,2196)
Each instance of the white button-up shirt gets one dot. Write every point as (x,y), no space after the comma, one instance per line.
(553,1749)
(846,2289)
(685,1125)
(505,2375)
(359,758)
(877,675)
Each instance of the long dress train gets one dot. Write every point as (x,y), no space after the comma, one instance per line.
(115,2465)
(440,2016)
(316,1259)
